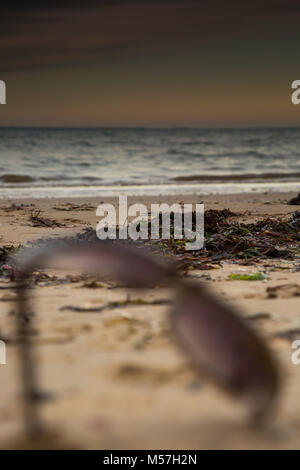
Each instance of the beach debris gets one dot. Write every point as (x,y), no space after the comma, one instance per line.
(115,304)
(39,276)
(289,335)
(8,270)
(38,221)
(284,267)
(68,206)
(146,339)
(53,339)
(248,277)
(295,201)
(214,218)
(132,326)
(122,317)
(227,239)
(18,207)
(259,316)
(267,238)
(7,251)
(153,376)
(95,284)
(188,262)
(8,297)
(283,291)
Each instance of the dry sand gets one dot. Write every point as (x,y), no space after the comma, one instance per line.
(118,380)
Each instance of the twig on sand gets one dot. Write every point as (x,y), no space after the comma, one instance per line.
(115,304)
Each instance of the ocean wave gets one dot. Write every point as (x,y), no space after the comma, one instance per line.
(240,177)
(12,178)
(69,157)
(26,180)
(146,190)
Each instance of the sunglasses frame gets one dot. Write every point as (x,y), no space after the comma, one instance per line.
(250,370)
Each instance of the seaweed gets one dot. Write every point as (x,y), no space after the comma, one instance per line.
(38,221)
(248,277)
(226,238)
(295,201)
(115,304)
(283,291)
(73,207)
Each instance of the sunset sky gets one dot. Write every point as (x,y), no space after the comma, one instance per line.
(210,63)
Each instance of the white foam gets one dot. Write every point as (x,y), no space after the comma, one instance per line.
(44,192)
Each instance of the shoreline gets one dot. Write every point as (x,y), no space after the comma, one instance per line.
(164,189)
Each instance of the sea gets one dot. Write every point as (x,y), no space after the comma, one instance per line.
(58,162)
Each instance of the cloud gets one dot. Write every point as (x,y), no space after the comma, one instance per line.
(35,37)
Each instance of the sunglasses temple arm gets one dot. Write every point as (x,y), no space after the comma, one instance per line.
(31,392)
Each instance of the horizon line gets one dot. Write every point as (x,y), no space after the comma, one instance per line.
(153,127)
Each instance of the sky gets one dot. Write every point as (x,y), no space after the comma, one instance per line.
(153,63)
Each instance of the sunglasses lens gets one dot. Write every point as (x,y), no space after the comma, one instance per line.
(220,344)
(134,268)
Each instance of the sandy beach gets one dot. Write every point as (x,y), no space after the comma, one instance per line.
(160,341)
(117,379)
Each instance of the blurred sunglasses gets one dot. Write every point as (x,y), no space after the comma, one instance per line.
(216,340)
